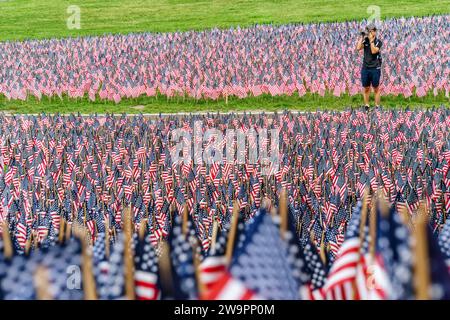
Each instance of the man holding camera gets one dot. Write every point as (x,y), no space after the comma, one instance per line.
(371,69)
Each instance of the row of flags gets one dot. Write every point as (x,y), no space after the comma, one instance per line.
(96,207)
(382,257)
(263,59)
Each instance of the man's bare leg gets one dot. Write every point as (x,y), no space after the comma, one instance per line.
(366,94)
(377,96)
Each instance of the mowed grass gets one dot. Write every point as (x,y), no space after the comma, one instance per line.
(25,19)
(160,104)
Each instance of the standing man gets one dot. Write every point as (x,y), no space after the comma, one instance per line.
(371,69)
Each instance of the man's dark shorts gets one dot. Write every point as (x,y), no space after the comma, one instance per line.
(370,77)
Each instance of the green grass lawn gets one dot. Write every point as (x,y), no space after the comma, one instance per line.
(158,104)
(23,19)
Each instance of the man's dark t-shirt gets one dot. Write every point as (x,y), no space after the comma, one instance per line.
(371,60)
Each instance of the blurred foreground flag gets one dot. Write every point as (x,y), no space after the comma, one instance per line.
(439,288)
(146,278)
(261,268)
(342,279)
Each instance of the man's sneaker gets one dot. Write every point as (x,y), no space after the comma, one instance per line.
(366,107)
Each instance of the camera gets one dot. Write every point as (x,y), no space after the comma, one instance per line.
(364,34)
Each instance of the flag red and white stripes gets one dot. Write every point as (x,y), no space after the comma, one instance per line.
(211,270)
(229,288)
(146,285)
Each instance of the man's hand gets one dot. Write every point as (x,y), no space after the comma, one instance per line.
(360,45)
(374,49)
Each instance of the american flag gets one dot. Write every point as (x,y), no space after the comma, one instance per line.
(251,272)
(310,272)
(100,265)
(115,285)
(97,159)
(182,259)
(344,280)
(395,245)
(444,242)
(146,271)
(439,276)
(214,265)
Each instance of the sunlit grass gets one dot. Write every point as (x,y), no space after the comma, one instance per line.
(144,104)
(23,19)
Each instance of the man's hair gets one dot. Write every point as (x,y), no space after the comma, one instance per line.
(371,27)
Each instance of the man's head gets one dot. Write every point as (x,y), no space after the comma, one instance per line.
(372,29)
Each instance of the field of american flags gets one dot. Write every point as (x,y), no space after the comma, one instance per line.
(274,60)
(217,150)
(337,219)
(274,66)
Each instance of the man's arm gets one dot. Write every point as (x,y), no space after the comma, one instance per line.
(375,47)
(360,45)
